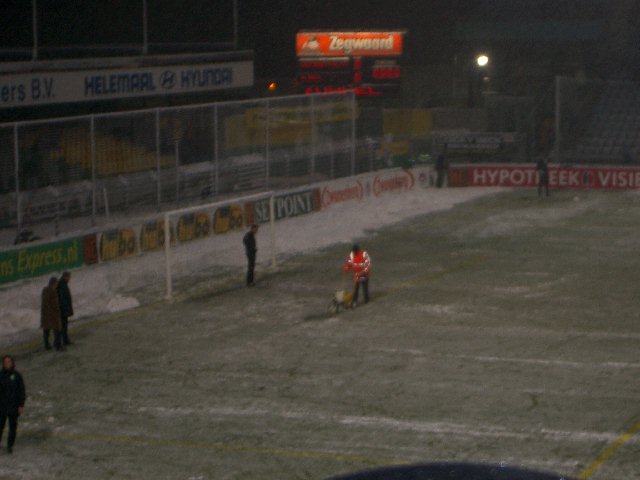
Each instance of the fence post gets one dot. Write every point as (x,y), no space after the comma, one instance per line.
(558,113)
(158,156)
(167,255)
(177,171)
(216,153)
(353,132)
(16,161)
(93,170)
(266,142)
(272,229)
(313,135)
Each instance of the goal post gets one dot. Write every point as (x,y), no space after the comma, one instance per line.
(212,207)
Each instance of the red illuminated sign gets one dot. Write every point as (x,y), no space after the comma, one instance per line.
(353,44)
(364,62)
(386,72)
(333,64)
(361,90)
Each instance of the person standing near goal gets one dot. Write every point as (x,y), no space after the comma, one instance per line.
(66,305)
(360,265)
(249,241)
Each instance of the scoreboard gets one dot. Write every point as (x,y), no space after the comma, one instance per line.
(366,62)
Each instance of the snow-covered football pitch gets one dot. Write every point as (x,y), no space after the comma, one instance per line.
(505,329)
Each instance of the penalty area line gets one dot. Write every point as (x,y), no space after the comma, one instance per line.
(604,456)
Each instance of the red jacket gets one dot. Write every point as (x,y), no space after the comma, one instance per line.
(359,263)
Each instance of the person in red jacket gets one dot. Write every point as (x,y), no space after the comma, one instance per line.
(360,265)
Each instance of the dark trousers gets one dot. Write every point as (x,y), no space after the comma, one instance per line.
(365,290)
(441,176)
(57,338)
(543,182)
(251,258)
(13,427)
(65,329)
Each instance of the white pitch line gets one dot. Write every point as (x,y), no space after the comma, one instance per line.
(529,331)
(366,422)
(528,361)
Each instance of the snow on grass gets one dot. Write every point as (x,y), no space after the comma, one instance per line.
(113,286)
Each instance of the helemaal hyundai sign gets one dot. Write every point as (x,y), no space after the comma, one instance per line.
(49,87)
(351,44)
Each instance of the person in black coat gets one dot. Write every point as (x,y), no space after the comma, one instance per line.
(542,168)
(66,306)
(12,398)
(441,168)
(249,241)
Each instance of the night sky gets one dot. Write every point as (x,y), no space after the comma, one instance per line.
(269,27)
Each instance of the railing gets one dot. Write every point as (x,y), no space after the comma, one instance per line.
(62,175)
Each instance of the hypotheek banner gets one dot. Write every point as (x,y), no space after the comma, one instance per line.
(38,260)
(605,178)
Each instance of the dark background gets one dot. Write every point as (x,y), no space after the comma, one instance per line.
(269,27)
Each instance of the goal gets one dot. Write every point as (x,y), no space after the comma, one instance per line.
(206,222)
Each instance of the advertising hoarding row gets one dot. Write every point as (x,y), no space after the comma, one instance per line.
(32,261)
(134,240)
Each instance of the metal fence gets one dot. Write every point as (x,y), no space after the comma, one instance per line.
(70,174)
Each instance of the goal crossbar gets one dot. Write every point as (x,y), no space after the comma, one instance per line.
(213,206)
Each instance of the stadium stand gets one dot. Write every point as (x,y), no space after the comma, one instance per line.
(613,132)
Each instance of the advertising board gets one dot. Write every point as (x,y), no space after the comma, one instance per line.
(287,205)
(194,225)
(354,44)
(48,87)
(596,177)
(41,259)
(152,235)
(368,185)
(118,243)
(228,218)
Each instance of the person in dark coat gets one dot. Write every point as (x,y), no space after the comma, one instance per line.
(542,168)
(442,168)
(12,398)
(66,306)
(50,315)
(249,241)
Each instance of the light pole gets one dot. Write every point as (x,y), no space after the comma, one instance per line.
(145,31)
(477,68)
(235,24)
(34,25)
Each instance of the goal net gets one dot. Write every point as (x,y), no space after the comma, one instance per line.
(209,236)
